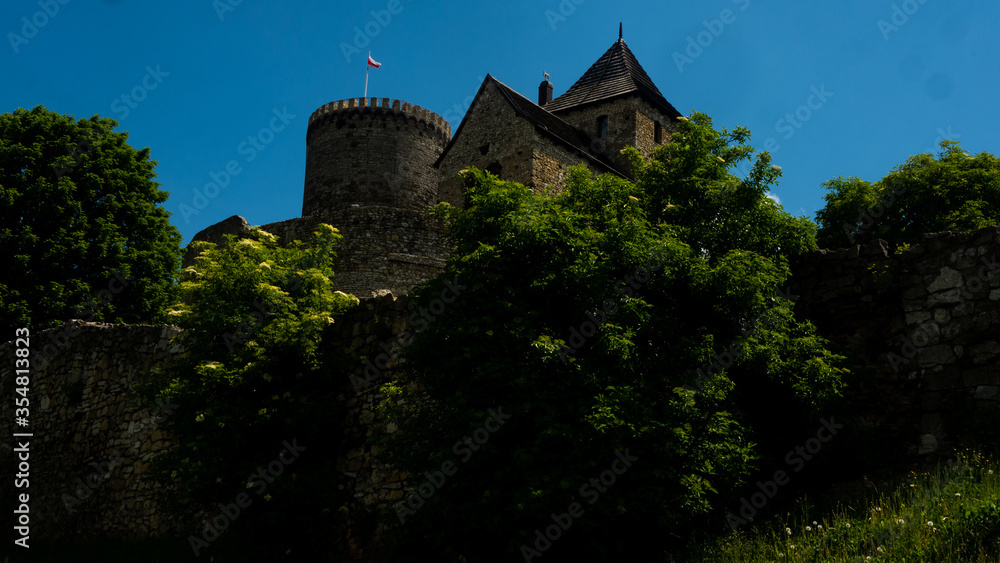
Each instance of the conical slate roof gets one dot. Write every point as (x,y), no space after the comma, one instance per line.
(615,74)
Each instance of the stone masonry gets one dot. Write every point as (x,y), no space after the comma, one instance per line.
(925,322)
(93,436)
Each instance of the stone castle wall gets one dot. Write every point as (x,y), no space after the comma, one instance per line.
(92,435)
(363,153)
(493,138)
(383,249)
(631,121)
(924,327)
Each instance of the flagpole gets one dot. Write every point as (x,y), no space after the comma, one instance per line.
(367,66)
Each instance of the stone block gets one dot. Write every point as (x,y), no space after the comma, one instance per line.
(987,392)
(984,352)
(928,444)
(946,297)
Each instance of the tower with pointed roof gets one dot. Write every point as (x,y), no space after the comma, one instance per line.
(613,105)
(373,167)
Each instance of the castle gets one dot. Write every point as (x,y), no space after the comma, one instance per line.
(922,324)
(375,166)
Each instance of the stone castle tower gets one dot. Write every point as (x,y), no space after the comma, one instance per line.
(370,173)
(374,166)
(360,153)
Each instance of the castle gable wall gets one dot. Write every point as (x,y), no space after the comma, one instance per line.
(630,122)
(493,137)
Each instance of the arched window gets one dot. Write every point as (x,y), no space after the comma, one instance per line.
(602,127)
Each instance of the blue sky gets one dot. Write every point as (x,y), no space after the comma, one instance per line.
(832,88)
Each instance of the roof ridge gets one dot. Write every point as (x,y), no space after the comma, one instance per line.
(615,73)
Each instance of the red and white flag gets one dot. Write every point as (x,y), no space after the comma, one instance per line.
(372,62)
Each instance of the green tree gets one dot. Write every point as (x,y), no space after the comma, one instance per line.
(252,381)
(79,214)
(953,192)
(612,321)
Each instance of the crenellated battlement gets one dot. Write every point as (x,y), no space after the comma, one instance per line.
(363,152)
(383,104)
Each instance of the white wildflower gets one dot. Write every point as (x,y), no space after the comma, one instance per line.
(809,528)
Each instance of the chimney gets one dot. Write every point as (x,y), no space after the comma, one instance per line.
(545,90)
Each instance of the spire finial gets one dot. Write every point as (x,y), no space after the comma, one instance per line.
(619,30)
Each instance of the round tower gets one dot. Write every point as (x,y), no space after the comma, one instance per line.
(360,153)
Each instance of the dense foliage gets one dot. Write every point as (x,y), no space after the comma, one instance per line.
(82,234)
(617,329)
(953,192)
(252,383)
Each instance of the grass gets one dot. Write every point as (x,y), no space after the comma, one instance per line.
(950,514)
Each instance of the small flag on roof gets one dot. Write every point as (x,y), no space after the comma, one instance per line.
(373,62)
